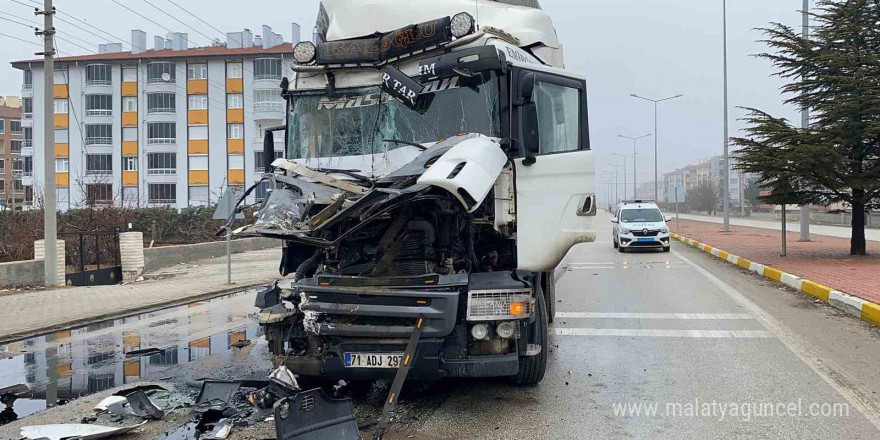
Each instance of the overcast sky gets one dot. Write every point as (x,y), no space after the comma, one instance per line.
(655,48)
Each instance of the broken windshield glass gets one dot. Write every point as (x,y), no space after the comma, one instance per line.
(355,121)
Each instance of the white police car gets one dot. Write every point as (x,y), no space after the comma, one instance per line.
(640,224)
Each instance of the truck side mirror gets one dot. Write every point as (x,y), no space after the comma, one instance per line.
(529,120)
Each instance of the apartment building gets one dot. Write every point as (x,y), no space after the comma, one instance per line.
(12,164)
(169,126)
(706,170)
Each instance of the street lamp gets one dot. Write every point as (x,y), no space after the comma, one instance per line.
(624,156)
(616,169)
(726,167)
(634,139)
(656,135)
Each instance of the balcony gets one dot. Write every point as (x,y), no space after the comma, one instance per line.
(99,172)
(99,82)
(99,141)
(159,80)
(161,202)
(161,141)
(27,143)
(267,76)
(271,106)
(27,116)
(161,171)
(27,86)
(99,112)
(155,110)
(27,152)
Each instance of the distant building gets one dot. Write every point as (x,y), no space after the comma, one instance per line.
(685,179)
(167,126)
(706,170)
(12,164)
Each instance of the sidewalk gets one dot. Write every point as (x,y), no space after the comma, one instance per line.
(825,260)
(30,313)
(830,231)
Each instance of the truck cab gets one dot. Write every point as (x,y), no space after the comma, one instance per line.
(441,169)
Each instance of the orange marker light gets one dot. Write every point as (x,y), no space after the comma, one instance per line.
(517,308)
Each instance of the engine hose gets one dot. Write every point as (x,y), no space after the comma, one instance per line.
(470,237)
(307,266)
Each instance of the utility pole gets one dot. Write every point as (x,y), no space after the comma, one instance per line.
(625,156)
(50,235)
(635,189)
(726,166)
(656,136)
(805,124)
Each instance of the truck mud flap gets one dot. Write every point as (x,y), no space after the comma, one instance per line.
(313,415)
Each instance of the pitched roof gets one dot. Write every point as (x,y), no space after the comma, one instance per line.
(167,54)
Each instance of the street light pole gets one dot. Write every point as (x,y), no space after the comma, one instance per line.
(616,169)
(635,190)
(50,227)
(805,124)
(625,156)
(726,166)
(656,135)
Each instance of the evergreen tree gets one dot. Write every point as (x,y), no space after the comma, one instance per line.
(835,73)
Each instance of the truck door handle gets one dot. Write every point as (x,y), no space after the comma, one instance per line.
(587,207)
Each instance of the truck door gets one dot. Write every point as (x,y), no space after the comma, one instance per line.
(555,196)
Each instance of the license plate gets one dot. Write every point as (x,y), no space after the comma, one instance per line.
(646,239)
(373,360)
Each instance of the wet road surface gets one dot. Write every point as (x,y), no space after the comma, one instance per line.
(645,345)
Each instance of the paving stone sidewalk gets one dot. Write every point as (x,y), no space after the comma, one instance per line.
(825,260)
(29,313)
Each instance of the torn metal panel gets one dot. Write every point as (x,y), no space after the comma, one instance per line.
(468,170)
(143,407)
(324,178)
(74,431)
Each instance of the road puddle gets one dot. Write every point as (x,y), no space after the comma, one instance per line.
(216,338)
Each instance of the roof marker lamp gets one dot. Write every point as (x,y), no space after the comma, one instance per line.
(304,52)
(462,24)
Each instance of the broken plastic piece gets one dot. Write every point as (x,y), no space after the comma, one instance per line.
(221,430)
(215,394)
(468,170)
(144,407)
(283,376)
(111,404)
(74,431)
(313,415)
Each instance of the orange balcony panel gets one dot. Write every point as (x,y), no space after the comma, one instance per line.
(235,116)
(129,119)
(200,343)
(235,146)
(62,121)
(131,341)
(197,146)
(234,85)
(235,177)
(197,86)
(129,178)
(129,89)
(198,177)
(197,117)
(132,368)
(129,148)
(62,150)
(61,91)
(62,180)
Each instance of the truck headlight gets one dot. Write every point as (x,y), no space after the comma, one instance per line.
(480,332)
(304,52)
(462,24)
(505,330)
(499,305)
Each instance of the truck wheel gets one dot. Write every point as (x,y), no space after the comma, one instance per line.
(532,368)
(549,287)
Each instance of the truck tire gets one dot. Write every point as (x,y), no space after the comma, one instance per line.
(549,287)
(532,368)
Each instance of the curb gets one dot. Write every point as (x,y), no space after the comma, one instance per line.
(862,309)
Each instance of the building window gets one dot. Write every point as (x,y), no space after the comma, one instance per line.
(267,68)
(235,131)
(161,103)
(15,146)
(198,102)
(61,106)
(162,163)
(2,186)
(27,108)
(234,100)
(129,74)
(2,167)
(198,162)
(62,165)
(160,72)
(15,126)
(161,132)
(99,74)
(28,169)
(17,186)
(259,166)
(99,164)
(130,163)
(129,104)
(99,134)
(28,82)
(27,140)
(197,71)
(268,100)
(99,193)
(162,193)
(234,70)
(99,105)
(2,126)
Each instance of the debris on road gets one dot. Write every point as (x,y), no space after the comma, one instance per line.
(314,415)
(74,431)
(114,405)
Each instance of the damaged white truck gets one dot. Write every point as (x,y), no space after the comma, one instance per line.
(440,170)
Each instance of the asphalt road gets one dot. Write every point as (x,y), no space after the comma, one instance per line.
(708,350)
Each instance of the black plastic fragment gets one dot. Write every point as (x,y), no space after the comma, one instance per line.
(313,415)
(215,394)
(268,297)
(143,406)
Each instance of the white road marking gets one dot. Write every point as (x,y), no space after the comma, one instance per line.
(683,316)
(649,333)
(832,374)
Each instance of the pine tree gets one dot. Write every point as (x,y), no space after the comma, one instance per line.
(835,73)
